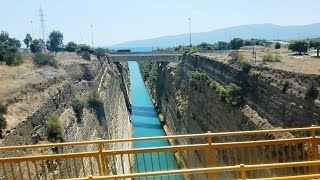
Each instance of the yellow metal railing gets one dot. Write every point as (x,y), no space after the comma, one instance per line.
(275,154)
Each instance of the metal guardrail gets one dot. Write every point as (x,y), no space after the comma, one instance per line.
(227,155)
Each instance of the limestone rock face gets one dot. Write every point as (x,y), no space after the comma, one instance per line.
(47,90)
(191,106)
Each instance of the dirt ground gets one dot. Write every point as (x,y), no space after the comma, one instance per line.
(14,77)
(306,64)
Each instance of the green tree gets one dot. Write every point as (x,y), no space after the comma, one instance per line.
(71,47)
(55,42)
(299,46)
(100,52)
(8,49)
(315,43)
(236,43)
(84,51)
(27,41)
(36,45)
(223,45)
(277,45)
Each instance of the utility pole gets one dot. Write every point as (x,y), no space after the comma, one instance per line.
(42,22)
(32,29)
(190,32)
(81,38)
(92,36)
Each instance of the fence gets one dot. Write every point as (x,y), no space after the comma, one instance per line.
(228,155)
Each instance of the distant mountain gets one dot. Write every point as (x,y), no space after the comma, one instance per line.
(259,31)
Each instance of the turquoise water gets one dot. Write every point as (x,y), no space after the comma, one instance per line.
(146,123)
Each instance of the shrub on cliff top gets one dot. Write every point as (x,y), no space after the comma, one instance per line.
(245,65)
(54,128)
(270,57)
(41,59)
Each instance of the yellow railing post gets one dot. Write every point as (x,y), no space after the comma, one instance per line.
(100,159)
(243,172)
(315,151)
(211,157)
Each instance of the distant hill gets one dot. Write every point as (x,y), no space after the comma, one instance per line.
(259,31)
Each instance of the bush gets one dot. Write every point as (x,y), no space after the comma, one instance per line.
(270,57)
(40,59)
(234,94)
(180,111)
(255,73)
(12,58)
(94,99)
(77,106)
(85,55)
(277,45)
(201,76)
(245,65)
(236,56)
(3,109)
(54,128)
(312,93)
(3,122)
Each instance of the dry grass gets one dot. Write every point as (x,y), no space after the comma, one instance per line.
(306,64)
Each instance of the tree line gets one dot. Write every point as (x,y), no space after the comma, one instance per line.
(9,47)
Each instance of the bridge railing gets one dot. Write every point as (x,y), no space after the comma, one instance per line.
(278,152)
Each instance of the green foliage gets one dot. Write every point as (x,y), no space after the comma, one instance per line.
(271,57)
(8,49)
(179,112)
(277,45)
(3,122)
(236,43)
(77,106)
(245,65)
(85,55)
(55,42)
(71,47)
(221,45)
(230,94)
(36,45)
(312,93)
(84,51)
(100,53)
(255,73)
(299,46)
(12,58)
(233,94)
(54,128)
(94,99)
(41,59)
(3,109)
(201,76)
(315,43)
(27,41)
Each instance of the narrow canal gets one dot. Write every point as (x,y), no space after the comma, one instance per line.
(146,123)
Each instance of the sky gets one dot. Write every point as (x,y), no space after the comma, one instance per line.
(116,21)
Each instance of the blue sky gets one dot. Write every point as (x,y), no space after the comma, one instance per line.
(124,20)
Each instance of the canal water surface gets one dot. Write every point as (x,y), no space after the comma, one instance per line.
(146,123)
